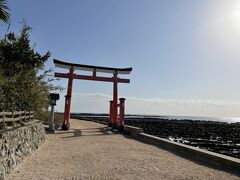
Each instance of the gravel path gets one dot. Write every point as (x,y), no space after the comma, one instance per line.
(90,151)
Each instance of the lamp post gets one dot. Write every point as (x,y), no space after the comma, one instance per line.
(53,99)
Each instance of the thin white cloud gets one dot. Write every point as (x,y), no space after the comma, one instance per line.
(157,100)
(92,95)
(98,103)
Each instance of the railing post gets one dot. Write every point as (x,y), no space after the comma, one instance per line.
(25,115)
(110,113)
(13,122)
(32,115)
(2,123)
(121,113)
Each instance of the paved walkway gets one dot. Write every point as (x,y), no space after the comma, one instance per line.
(90,151)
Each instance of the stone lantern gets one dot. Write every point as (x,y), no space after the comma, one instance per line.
(53,99)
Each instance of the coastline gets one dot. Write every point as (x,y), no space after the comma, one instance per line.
(215,136)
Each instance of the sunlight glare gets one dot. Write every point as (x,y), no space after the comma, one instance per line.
(225,28)
(236,18)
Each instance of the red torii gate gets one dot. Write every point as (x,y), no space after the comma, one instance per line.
(113,111)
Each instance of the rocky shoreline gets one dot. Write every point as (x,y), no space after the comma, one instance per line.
(219,137)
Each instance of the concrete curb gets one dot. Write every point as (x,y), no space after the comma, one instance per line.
(134,131)
(204,157)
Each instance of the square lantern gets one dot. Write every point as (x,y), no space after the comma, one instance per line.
(53,98)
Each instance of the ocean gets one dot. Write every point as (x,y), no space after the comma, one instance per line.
(170,117)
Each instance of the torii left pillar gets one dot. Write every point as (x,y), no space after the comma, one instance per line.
(66,124)
(115,100)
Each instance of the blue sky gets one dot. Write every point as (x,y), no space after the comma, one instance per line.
(184,53)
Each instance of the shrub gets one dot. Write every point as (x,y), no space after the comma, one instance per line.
(24,81)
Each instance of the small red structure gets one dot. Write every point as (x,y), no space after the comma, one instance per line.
(114,121)
(121,113)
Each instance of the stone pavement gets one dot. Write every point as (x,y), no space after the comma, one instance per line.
(91,151)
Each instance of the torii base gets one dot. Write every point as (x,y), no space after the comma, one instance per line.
(114,126)
(65,127)
(121,128)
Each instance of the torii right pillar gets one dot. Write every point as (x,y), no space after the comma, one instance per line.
(114,121)
(121,113)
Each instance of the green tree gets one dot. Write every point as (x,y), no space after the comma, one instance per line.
(24,81)
(4,15)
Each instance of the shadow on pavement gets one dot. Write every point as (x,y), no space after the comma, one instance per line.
(87,132)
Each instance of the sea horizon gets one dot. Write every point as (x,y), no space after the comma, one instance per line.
(170,117)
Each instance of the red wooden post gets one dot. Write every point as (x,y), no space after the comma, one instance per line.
(66,124)
(122,112)
(115,100)
(110,113)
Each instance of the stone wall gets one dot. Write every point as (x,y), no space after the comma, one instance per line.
(19,142)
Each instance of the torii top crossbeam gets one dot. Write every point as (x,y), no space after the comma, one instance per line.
(67,65)
(93,77)
(93,69)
